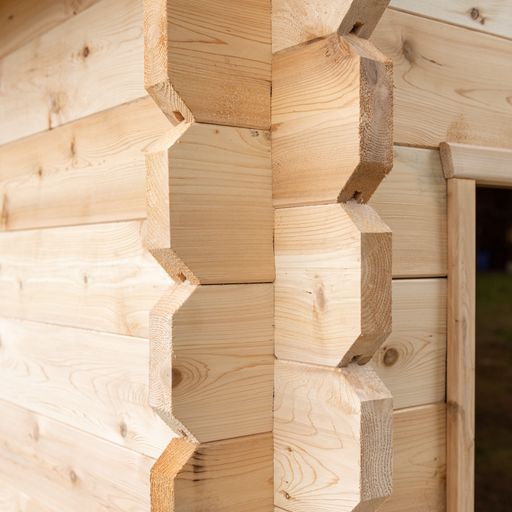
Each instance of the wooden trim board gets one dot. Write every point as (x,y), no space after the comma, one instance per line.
(465,166)
(461,346)
(487,166)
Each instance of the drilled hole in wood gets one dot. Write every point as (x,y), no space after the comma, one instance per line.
(178,116)
(181,277)
(358,196)
(356,29)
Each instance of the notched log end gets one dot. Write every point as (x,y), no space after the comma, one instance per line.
(361,17)
(174,266)
(169,101)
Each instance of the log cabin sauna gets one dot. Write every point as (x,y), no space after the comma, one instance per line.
(225,282)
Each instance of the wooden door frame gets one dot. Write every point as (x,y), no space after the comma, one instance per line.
(465,167)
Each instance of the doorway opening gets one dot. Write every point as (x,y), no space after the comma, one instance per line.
(493,444)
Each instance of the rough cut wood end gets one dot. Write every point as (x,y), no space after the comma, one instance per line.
(333,283)
(332,108)
(332,438)
(221,476)
(211,360)
(210,60)
(209,206)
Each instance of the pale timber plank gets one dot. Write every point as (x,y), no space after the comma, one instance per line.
(47,83)
(96,277)
(68,469)
(24,20)
(461,344)
(221,476)
(332,135)
(91,170)
(412,202)
(217,342)
(419,460)
(491,16)
(332,438)
(92,381)
(333,283)
(487,166)
(412,361)
(210,60)
(438,95)
(209,201)
(13,500)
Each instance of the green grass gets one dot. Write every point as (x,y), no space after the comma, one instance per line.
(494,393)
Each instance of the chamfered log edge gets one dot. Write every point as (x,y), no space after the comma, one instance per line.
(332,135)
(333,283)
(295,21)
(211,360)
(221,476)
(332,438)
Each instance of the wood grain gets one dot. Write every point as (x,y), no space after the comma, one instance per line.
(333,283)
(92,381)
(438,95)
(332,135)
(487,166)
(333,438)
(222,476)
(209,202)
(492,16)
(412,202)
(211,373)
(24,20)
(91,170)
(68,469)
(298,21)
(461,345)
(412,361)
(212,57)
(46,83)
(419,467)
(96,277)
(13,500)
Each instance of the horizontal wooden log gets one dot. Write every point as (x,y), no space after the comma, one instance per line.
(333,438)
(332,136)
(210,60)
(222,476)
(47,83)
(209,203)
(24,20)
(438,95)
(491,16)
(95,277)
(89,380)
(412,201)
(211,375)
(68,469)
(419,466)
(487,166)
(295,21)
(412,361)
(333,283)
(91,170)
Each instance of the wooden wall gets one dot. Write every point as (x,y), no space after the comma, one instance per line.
(76,285)
(453,82)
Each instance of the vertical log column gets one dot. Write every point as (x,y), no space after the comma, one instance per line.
(209,205)
(331,147)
